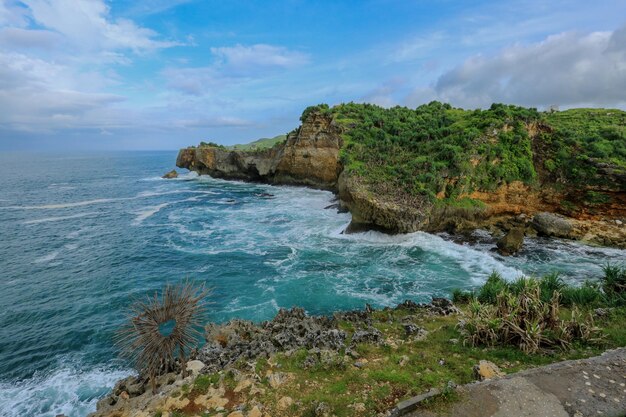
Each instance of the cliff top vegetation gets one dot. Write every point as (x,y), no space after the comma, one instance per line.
(437,150)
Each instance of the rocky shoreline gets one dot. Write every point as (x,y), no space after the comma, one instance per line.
(311,156)
(241,344)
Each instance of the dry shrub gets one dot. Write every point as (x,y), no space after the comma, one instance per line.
(160,330)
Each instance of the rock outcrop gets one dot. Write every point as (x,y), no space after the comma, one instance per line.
(170,175)
(309,156)
(511,242)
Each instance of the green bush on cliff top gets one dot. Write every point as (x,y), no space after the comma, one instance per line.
(438,150)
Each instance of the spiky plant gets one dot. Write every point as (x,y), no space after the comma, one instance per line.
(161,330)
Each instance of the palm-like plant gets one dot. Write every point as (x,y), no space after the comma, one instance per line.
(160,330)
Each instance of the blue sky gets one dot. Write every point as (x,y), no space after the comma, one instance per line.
(155,74)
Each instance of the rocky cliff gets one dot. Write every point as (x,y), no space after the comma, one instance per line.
(312,155)
(309,156)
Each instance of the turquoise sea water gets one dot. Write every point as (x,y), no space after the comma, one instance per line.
(82,235)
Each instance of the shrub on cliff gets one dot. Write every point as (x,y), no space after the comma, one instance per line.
(438,151)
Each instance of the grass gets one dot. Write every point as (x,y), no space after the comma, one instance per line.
(263,143)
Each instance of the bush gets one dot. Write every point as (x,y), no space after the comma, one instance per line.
(520,317)
(587,295)
(462,297)
(614,281)
(495,284)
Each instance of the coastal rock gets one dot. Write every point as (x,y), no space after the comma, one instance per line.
(552,225)
(371,336)
(288,331)
(171,174)
(512,242)
(309,156)
(486,370)
(195,366)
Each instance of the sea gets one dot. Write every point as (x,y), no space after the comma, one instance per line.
(84,235)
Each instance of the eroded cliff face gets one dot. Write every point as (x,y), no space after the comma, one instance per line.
(309,156)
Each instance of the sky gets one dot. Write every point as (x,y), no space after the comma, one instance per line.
(157,74)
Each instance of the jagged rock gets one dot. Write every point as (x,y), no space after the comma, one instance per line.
(322,410)
(411,329)
(371,335)
(512,242)
(171,174)
(553,225)
(486,370)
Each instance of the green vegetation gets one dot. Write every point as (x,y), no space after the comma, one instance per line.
(541,328)
(264,143)
(439,151)
(204,144)
(609,291)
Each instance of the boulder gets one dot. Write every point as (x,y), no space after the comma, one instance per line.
(284,403)
(195,366)
(552,225)
(512,242)
(171,174)
(486,370)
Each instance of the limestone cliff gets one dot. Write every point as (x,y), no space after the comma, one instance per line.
(309,156)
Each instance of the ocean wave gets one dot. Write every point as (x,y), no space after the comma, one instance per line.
(72,389)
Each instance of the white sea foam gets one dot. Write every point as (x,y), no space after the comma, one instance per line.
(143,194)
(71,390)
(47,258)
(59,218)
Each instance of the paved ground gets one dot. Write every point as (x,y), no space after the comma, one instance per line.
(581,388)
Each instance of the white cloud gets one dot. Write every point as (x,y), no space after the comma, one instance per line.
(88,25)
(18,38)
(569,69)
(247,59)
(417,47)
(37,95)
(234,65)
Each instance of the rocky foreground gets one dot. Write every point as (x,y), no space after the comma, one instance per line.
(225,377)
(312,156)
(358,363)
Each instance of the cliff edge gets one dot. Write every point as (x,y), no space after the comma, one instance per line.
(437,168)
(309,156)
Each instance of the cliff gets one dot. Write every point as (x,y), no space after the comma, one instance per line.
(437,168)
(309,156)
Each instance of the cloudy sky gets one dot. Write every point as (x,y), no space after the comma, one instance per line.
(158,74)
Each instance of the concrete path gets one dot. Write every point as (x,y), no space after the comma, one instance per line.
(581,388)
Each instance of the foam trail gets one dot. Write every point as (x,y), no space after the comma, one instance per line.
(47,258)
(69,390)
(60,218)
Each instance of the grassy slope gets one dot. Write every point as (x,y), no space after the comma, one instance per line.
(437,150)
(263,143)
